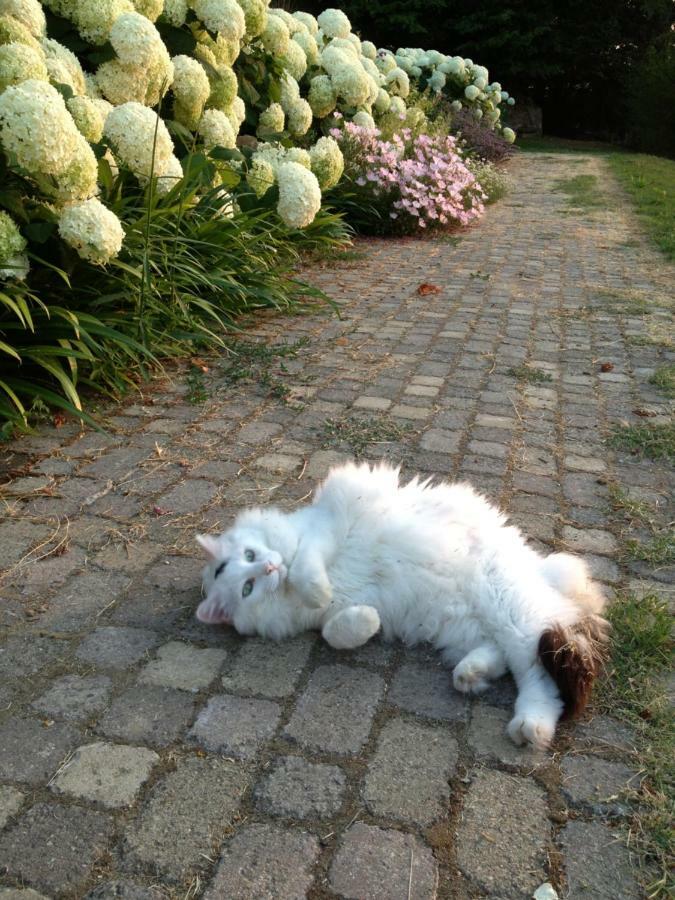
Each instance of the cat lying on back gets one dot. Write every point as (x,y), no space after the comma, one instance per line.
(419,562)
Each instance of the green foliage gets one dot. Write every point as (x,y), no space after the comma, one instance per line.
(651,99)
(650,183)
(652,441)
(582,191)
(664,379)
(529,374)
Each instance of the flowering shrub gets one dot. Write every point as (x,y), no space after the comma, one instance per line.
(414,181)
(496,183)
(479,140)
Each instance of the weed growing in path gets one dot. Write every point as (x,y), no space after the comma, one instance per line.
(196,386)
(582,192)
(664,380)
(634,691)
(359,434)
(653,441)
(252,362)
(529,374)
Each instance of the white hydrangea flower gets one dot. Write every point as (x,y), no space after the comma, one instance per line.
(471,92)
(385,61)
(135,131)
(289,21)
(12,241)
(175,12)
(63,63)
(91,88)
(19,62)
(294,60)
(216,130)
(16,266)
(28,12)
(322,96)
(225,17)
(382,101)
(334,23)
(93,18)
(143,70)
(255,14)
(308,21)
(363,119)
(456,105)
(89,116)
(309,47)
(290,92)
(223,87)
(12,31)
(327,162)
(352,84)
(171,176)
(151,9)
(276,36)
(299,118)
(478,113)
(299,195)
(481,83)
(437,81)
(334,58)
(299,155)
(272,154)
(397,106)
(369,50)
(511,101)
(238,112)
(260,175)
(191,90)
(136,41)
(36,127)
(271,120)
(398,83)
(92,229)
(509,135)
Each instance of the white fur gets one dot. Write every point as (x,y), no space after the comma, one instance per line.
(422,562)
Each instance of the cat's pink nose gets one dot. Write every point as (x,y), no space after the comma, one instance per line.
(269,568)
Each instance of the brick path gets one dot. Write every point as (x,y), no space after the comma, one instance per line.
(143,755)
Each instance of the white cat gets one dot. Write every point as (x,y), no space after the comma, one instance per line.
(421,562)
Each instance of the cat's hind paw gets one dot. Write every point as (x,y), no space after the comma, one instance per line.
(536,731)
(469,678)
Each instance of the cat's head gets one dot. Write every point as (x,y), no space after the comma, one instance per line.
(242,580)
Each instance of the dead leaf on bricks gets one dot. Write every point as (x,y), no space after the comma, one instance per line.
(426,288)
(606,367)
(645,413)
(199,363)
(160,511)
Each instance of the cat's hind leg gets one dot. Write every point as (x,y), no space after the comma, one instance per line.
(473,673)
(538,708)
(351,627)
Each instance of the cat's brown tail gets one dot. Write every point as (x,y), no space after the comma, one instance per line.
(573,656)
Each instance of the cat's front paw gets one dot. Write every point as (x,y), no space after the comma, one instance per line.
(534,730)
(318,592)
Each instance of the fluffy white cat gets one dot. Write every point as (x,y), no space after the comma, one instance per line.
(420,562)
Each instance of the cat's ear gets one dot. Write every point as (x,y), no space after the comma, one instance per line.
(210,545)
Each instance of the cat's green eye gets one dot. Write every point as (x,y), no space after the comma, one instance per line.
(249,555)
(248,587)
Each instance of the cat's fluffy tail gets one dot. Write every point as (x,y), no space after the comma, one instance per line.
(569,575)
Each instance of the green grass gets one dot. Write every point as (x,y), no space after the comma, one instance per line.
(262,364)
(652,441)
(634,691)
(664,379)
(537,143)
(527,373)
(650,183)
(658,550)
(196,386)
(582,192)
(357,435)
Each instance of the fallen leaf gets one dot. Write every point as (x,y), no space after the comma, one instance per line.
(160,511)
(426,288)
(199,363)
(645,413)
(606,367)
(58,420)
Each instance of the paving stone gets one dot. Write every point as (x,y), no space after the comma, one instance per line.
(440,441)
(115,464)
(157,609)
(597,863)
(407,778)
(269,669)
(10,803)
(177,573)
(20,894)
(336,710)
(427,691)
(605,733)
(105,773)
(74,696)
(26,655)
(50,572)
(31,751)
(488,739)
(377,864)
(183,666)
(588,540)
(266,863)
(301,790)
(77,603)
(235,726)
(321,462)
(188,813)
(598,785)
(189,496)
(116,647)
(503,833)
(377,404)
(126,890)
(148,715)
(279,462)
(53,847)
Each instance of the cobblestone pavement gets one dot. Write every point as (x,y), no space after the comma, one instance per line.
(143,755)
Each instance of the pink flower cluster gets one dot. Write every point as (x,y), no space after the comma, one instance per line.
(424,177)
